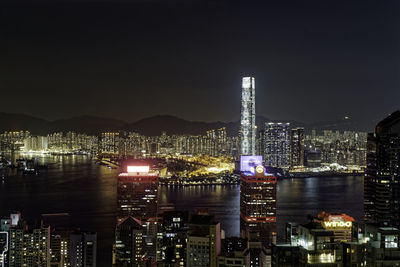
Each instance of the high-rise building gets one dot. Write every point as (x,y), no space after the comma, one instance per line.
(171,238)
(233,252)
(335,239)
(137,193)
(211,142)
(370,181)
(28,247)
(110,143)
(82,249)
(60,247)
(129,243)
(382,181)
(3,248)
(221,141)
(248,117)
(277,144)
(258,206)
(203,242)
(328,240)
(297,147)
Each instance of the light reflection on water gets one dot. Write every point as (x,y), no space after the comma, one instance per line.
(87,191)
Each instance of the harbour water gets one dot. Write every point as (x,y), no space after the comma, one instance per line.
(87,191)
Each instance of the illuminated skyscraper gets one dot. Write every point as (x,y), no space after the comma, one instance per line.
(137,192)
(258,206)
(248,117)
(382,180)
(297,147)
(277,144)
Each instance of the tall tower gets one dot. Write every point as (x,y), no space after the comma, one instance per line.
(135,233)
(381,183)
(297,147)
(277,144)
(258,205)
(248,117)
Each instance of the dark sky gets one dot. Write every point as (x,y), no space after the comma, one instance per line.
(313,60)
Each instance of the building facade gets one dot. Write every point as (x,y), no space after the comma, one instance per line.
(297,147)
(248,117)
(277,144)
(258,206)
(382,183)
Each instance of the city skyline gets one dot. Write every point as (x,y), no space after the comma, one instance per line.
(302,169)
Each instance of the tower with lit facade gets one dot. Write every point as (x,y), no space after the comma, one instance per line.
(248,117)
(258,205)
(277,144)
(297,147)
(137,193)
(382,179)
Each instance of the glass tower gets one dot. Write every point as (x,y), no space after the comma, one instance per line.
(248,117)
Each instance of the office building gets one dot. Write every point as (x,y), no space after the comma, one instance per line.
(203,242)
(297,147)
(370,181)
(258,206)
(382,182)
(383,245)
(82,249)
(137,192)
(247,132)
(334,239)
(129,247)
(60,247)
(232,252)
(171,238)
(342,225)
(137,199)
(277,144)
(4,248)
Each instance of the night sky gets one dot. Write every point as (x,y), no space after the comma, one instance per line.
(312,60)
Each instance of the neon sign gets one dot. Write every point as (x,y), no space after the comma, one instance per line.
(138,169)
(249,163)
(338,224)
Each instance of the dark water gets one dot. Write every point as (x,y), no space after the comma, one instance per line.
(74,184)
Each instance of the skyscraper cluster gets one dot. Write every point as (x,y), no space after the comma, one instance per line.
(346,148)
(40,245)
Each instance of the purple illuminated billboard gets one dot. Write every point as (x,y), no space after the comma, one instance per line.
(248,163)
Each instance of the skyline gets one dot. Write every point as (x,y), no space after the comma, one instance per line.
(199,133)
(155,125)
(312,61)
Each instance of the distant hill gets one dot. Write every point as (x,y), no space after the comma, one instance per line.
(173,125)
(16,122)
(81,124)
(154,125)
(86,124)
